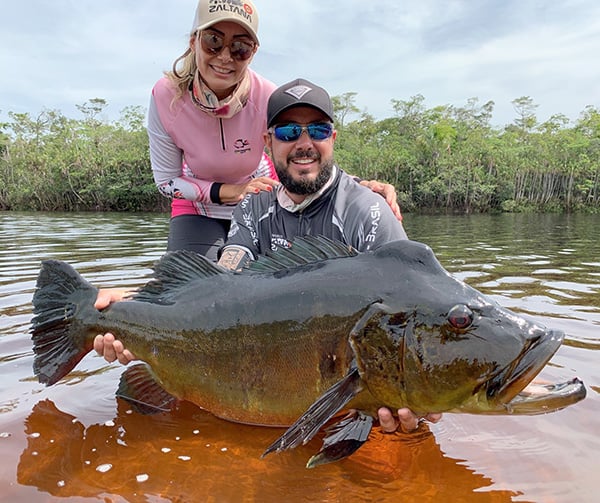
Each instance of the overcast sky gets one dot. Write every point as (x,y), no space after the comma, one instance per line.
(55,54)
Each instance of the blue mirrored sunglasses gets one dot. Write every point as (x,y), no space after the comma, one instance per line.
(317,131)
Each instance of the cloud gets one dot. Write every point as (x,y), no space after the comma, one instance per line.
(62,53)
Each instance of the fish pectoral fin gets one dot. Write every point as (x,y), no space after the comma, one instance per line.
(140,388)
(326,406)
(343,438)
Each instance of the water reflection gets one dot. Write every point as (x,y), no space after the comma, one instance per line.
(134,453)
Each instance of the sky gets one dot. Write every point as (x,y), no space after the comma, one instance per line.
(56,54)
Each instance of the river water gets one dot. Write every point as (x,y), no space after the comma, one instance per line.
(77,442)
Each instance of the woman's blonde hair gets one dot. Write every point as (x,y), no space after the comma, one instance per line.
(183,71)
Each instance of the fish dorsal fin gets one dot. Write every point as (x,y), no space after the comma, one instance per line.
(304,250)
(174,270)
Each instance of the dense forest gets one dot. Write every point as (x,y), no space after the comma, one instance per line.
(443,159)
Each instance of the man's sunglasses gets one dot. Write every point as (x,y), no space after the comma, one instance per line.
(317,131)
(212,43)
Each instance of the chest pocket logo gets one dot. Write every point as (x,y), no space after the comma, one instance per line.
(241,146)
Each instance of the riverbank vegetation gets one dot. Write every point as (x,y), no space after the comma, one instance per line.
(445,158)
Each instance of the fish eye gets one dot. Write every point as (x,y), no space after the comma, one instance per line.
(460,316)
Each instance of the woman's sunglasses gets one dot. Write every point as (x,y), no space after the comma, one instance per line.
(317,131)
(212,43)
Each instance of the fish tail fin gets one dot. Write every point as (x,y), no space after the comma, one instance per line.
(59,338)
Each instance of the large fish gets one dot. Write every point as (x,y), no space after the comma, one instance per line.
(303,334)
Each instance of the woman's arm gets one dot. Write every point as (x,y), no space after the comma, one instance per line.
(174,180)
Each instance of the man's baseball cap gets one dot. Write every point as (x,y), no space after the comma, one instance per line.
(295,93)
(241,12)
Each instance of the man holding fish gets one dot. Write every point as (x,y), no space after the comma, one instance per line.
(308,329)
(315,197)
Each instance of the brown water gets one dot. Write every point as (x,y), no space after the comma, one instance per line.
(76,442)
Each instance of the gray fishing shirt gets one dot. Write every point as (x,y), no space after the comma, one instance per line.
(342,210)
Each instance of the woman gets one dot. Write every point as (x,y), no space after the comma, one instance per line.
(205,124)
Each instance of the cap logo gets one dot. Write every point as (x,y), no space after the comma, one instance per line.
(298,91)
(236,7)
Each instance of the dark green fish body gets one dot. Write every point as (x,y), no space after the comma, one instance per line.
(318,326)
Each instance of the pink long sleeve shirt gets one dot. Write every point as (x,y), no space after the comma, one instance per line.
(190,149)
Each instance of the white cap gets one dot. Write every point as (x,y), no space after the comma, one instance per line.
(241,12)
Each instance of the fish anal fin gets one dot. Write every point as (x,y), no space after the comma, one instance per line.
(140,388)
(343,438)
(323,409)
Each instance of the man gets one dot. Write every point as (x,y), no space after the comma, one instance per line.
(315,197)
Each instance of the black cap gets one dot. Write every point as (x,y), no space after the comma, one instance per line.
(295,93)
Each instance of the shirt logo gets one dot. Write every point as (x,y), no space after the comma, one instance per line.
(241,145)
(375,212)
(278,241)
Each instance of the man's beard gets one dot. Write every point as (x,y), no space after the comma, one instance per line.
(304,187)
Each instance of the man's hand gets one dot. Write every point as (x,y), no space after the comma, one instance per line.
(107,296)
(111,349)
(388,191)
(407,420)
(106,345)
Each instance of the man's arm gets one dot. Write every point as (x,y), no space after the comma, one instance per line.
(388,192)
(234,257)
(243,241)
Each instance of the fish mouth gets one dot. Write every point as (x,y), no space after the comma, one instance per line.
(538,398)
(539,347)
